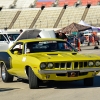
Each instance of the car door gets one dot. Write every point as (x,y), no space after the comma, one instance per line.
(18,59)
(4,43)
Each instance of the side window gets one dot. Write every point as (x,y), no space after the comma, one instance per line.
(17,47)
(2,38)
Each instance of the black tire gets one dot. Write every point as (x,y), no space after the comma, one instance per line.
(33,80)
(6,77)
(88,81)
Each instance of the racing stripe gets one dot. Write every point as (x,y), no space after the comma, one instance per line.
(6,58)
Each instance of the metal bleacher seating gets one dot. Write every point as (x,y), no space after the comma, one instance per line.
(68,2)
(6,17)
(92,2)
(48,18)
(24,3)
(6,3)
(93,17)
(71,14)
(46,3)
(25,18)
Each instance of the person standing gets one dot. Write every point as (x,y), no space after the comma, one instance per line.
(21,30)
(62,35)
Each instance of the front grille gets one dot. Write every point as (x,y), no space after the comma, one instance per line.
(85,64)
(70,65)
(63,65)
(75,64)
(57,65)
(80,64)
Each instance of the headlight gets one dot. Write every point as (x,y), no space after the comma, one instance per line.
(42,65)
(90,63)
(97,63)
(50,65)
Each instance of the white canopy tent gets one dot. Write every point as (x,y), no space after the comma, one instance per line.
(85,24)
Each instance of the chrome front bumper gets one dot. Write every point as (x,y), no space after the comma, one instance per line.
(66,71)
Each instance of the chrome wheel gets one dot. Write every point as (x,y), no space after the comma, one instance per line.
(6,77)
(3,74)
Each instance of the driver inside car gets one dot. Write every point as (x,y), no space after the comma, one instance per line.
(27,50)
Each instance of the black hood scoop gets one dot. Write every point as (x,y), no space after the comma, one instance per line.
(52,54)
(74,53)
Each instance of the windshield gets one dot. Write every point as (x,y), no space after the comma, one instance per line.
(49,46)
(12,37)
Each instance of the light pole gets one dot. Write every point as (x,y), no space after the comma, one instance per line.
(53,20)
(40,23)
(97,22)
(25,21)
(90,22)
(13,25)
(68,22)
(75,19)
(5,22)
(47,21)
(19,23)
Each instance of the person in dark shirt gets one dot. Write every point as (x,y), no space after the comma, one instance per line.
(61,35)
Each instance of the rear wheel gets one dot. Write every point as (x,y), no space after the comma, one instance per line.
(33,80)
(88,82)
(6,77)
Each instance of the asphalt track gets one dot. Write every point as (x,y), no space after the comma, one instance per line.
(57,91)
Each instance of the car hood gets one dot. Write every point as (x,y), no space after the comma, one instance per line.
(59,56)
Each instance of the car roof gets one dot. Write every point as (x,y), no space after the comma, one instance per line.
(9,33)
(40,39)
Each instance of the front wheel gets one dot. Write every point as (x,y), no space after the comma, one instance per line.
(33,80)
(88,81)
(6,77)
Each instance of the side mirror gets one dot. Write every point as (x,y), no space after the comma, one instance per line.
(16,52)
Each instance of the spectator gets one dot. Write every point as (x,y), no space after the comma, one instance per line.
(96,39)
(57,35)
(75,39)
(38,36)
(90,39)
(61,35)
(81,37)
(21,30)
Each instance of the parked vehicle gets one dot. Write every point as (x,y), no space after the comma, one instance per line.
(47,59)
(7,39)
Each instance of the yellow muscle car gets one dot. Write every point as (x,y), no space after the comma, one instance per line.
(47,60)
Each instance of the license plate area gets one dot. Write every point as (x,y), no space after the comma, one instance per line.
(73,74)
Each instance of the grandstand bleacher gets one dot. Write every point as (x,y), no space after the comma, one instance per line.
(46,3)
(6,3)
(71,14)
(25,18)
(93,16)
(6,17)
(68,2)
(17,14)
(24,3)
(92,2)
